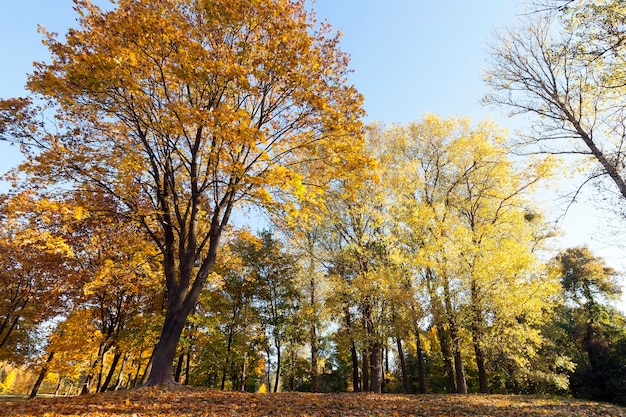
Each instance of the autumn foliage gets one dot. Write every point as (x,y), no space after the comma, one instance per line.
(202,402)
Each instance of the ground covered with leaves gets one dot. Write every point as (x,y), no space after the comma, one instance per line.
(202,402)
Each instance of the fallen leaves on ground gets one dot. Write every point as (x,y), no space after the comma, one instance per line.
(190,402)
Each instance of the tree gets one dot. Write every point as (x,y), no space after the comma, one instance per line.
(565,66)
(37,269)
(180,109)
(595,331)
(462,216)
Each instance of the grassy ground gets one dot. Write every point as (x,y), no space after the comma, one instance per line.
(201,402)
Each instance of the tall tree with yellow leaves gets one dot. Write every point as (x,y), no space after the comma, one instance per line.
(462,211)
(180,109)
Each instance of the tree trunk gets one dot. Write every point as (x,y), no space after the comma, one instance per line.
(244,370)
(183,288)
(278,364)
(165,350)
(420,362)
(480,363)
(187,363)
(356,386)
(477,325)
(146,373)
(42,375)
(365,371)
(405,376)
(377,368)
(120,376)
(226,363)
(179,367)
(313,319)
(461,385)
(109,377)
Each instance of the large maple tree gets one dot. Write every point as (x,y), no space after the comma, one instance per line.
(181,109)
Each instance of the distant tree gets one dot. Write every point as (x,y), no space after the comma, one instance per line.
(596,330)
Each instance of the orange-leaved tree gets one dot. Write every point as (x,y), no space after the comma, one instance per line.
(180,109)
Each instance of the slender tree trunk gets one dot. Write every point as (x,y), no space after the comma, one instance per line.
(268,368)
(95,367)
(405,376)
(109,377)
(461,384)
(244,370)
(42,375)
(226,363)
(187,363)
(477,325)
(135,380)
(365,371)
(179,367)
(278,365)
(356,386)
(69,390)
(443,335)
(313,319)
(148,369)
(482,372)
(421,372)
(120,376)
(58,388)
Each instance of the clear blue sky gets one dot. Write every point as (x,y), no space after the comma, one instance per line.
(409,57)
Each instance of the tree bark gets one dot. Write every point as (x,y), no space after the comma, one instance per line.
(120,376)
(480,363)
(109,377)
(461,385)
(405,376)
(278,364)
(420,362)
(165,350)
(179,368)
(377,368)
(42,375)
(365,371)
(356,386)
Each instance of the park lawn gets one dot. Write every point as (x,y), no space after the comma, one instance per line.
(203,402)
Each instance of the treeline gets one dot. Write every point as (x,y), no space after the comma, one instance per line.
(426,276)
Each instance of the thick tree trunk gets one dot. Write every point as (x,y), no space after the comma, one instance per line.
(377,368)
(405,376)
(42,375)
(165,350)
(109,377)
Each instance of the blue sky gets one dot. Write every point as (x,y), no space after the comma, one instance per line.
(409,57)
